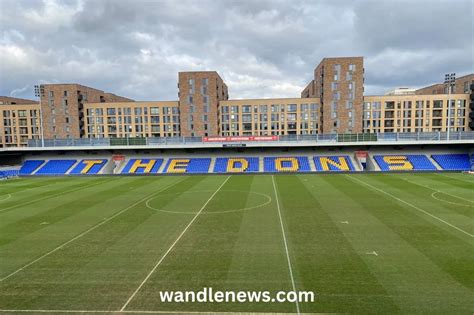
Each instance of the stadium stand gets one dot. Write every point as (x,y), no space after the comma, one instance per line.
(255,164)
(142,166)
(195,165)
(236,165)
(89,167)
(333,163)
(453,162)
(413,162)
(286,164)
(29,166)
(56,167)
(8,173)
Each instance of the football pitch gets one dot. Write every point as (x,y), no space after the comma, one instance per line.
(363,243)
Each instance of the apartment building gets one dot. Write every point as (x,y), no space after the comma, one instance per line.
(332,102)
(63,108)
(19,121)
(415,113)
(339,83)
(462,85)
(199,96)
(132,119)
(264,117)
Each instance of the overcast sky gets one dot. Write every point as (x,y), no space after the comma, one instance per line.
(260,48)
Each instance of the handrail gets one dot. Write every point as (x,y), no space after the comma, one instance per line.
(307,139)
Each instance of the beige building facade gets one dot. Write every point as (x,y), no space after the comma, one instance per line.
(132,119)
(20,120)
(265,117)
(415,113)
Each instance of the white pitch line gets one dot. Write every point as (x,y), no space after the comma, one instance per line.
(457,178)
(172,246)
(125,311)
(286,245)
(52,196)
(85,232)
(433,195)
(411,205)
(8,197)
(437,190)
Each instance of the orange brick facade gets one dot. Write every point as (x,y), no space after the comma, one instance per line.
(199,97)
(339,83)
(63,108)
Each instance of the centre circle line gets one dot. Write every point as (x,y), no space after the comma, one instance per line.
(267,201)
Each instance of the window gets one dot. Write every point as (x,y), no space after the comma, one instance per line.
(191,86)
(155,110)
(65,93)
(337,70)
(352,67)
(291,108)
(110,111)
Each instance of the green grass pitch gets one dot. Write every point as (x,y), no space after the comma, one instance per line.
(364,243)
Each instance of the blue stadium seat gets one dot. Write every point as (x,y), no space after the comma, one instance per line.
(89,166)
(56,167)
(195,165)
(286,164)
(11,173)
(236,165)
(142,166)
(410,162)
(29,166)
(338,163)
(453,162)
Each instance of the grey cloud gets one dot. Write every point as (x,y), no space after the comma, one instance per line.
(261,48)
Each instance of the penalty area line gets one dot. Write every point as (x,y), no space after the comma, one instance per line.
(86,232)
(409,204)
(54,195)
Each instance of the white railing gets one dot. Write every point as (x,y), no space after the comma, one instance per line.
(307,139)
